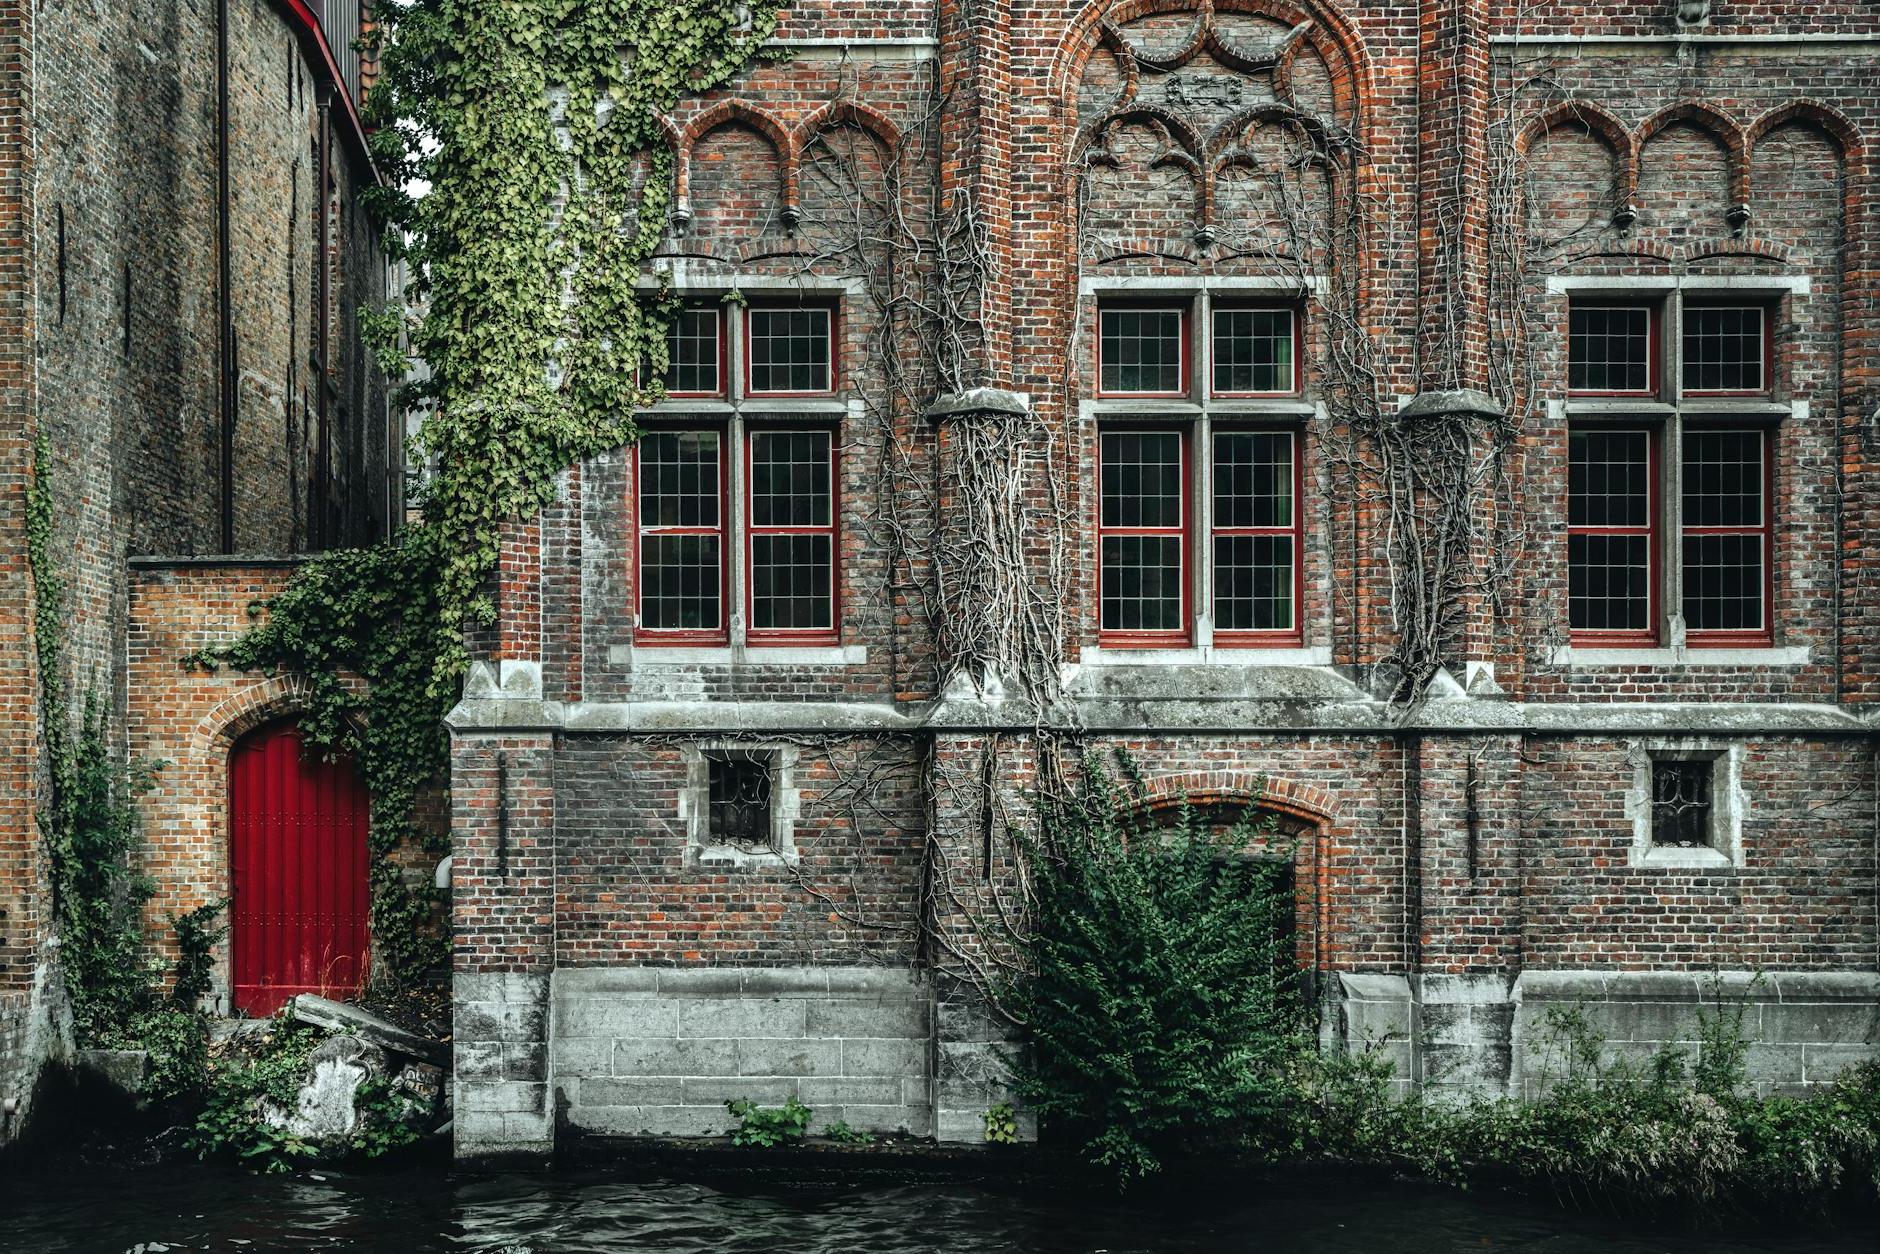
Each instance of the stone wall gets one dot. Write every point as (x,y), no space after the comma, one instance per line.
(651,1051)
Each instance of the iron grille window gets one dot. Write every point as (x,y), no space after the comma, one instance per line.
(695,352)
(739,798)
(1726,532)
(1612,350)
(1725,349)
(1681,801)
(1256,531)
(1253,352)
(792,531)
(790,349)
(680,506)
(1142,532)
(1142,352)
(1609,531)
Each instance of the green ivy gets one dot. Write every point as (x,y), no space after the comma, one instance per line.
(543,157)
(769,1127)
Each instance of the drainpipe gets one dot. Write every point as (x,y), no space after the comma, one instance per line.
(224,282)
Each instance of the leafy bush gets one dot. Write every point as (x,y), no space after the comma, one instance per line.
(768,1127)
(1159,999)
(1001,1125)
(842,1134)
(232,1122)
(196,936)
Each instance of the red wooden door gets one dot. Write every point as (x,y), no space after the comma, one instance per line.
(298,872)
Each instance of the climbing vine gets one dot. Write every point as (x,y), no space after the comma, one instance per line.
(526,178)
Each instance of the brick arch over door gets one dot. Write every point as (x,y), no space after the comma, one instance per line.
(298,881)
(1304,813)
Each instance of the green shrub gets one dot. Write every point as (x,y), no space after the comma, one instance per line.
(232,1124)
(768,1127)
(842,1134)
(1159,998)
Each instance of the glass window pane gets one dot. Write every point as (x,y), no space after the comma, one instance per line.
(1681,801)
(1253,479)
(739,811)
(1253,583)
(1142,583)
(679,478)
(1609,349)
(789,349)
(1141,351)
(790,481)
(692,344)
(1723,478)
(1609,582)
(1253,350)
(791,582)
(1608,478)
(1723,582)
(680,582)
(1723,348)
(1142,478)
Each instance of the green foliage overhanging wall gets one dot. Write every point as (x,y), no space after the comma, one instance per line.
(533,127)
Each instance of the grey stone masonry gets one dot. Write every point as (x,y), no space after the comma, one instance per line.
(1487,1036)
(500,1105)
(659,1051)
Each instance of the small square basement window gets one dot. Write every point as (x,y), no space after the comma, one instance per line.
(1686,804)
(740,805)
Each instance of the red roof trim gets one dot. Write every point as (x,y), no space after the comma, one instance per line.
(313,43)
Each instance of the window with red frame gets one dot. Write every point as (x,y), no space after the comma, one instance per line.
(1725,350)
(1725,527)
(1611,548)
(1257,538)
(679,506)
(1612,350)
(1142,535)
(789,350)
(791,533)
(695,350)
(1142,351)
(1254,352)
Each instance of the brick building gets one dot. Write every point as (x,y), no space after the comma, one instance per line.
(1448,427)
(184,259)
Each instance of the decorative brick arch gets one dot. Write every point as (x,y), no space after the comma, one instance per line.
(275,697)
(846,113)
(1712,121)
(734,113)
(1595,121)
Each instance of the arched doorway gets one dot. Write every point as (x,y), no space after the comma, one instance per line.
(297,863)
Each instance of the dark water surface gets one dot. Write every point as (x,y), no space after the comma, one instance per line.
(205,1208)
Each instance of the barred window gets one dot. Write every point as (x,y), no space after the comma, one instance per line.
(740,810)
(790,350)
(1681,801)
(1142,533)
(1142,352)
(1612,350)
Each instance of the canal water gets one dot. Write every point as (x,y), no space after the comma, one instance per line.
(190,1208)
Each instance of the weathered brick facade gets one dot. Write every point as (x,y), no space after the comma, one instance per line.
(1428,188)
(185,415)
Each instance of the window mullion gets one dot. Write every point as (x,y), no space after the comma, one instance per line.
(1201,512)
(1670,518)
(736,524)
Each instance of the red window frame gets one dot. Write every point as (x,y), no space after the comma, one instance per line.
(1654,347)
(1294,634)
(830,307)
(1654,437)
(718,315)
(1182,636)
(678,636)
(1186,381)
(1298,357)
(1768,348)
(1765,635)
(749,530)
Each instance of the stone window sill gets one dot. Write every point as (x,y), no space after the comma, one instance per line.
(1207,655)
(1695,857)
(646,658)
(1594,658)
